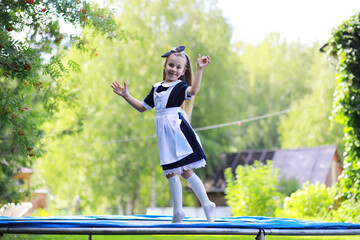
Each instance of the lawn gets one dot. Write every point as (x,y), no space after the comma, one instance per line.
(168,237)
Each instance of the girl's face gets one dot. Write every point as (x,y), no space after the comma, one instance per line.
(174,68)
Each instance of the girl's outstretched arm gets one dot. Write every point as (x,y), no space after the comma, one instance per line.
(122,91)
(202,62)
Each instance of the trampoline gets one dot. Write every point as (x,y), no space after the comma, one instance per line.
(161,225)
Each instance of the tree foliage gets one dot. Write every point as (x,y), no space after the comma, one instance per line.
(104,151)
(30,81)
(252,190)
(344,45)
(276,76)
(110,161)
(98,147)
(309,122)
(348,211)
(312,201)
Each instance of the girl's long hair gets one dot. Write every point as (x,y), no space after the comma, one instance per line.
(188,77)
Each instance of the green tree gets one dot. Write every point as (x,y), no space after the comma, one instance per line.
(252,190)
(108,155)
(30,86)
(273,75)
(308,123)
(99,161)
(107,162)
(344,46)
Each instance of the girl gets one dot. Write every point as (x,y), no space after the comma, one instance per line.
(180,149)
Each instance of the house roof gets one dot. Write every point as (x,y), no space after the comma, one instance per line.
(305,164)
(22,172)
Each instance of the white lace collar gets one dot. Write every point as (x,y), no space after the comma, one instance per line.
(169,84)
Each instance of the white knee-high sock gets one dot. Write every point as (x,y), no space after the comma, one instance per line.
(176,193)
(199,189)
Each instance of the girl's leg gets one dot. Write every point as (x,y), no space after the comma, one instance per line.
(176,193)
(199,190)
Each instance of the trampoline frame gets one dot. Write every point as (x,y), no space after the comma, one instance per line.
(160,225)
(259,233)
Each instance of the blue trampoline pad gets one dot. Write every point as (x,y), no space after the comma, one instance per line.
(155,221)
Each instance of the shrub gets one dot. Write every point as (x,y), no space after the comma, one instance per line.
(312,201)
(287,186)
(253,190)
(349,211)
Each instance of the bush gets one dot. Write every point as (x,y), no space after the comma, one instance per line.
(253,190)
(287,186)
(312,201)
(349,211)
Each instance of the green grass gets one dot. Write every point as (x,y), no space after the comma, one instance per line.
(168,237)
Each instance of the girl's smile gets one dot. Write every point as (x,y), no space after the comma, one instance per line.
(174,68)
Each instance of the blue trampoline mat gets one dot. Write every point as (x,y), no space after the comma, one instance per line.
(156,221)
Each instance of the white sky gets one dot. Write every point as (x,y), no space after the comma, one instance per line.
(307,20)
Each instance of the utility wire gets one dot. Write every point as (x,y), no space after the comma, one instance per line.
(241,121)
(207,127)
(216,126)
(238,122)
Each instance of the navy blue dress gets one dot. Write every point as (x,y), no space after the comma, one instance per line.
(179,146)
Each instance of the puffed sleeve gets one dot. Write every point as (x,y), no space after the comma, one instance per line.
(178,95)
(148,102)
(181,90)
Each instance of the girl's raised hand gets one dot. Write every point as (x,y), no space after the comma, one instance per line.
(203,61)
(118,89)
